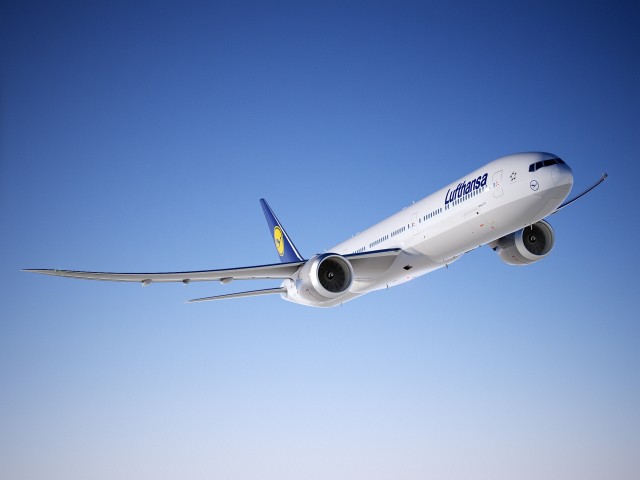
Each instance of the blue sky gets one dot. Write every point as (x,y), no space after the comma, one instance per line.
(139,137)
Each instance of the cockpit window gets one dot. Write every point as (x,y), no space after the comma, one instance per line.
(545,163)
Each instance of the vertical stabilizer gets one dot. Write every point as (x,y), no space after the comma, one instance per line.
(287,251)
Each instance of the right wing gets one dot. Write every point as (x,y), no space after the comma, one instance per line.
(273,271)
(569,202)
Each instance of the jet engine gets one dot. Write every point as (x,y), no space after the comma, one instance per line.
(324,277)
(526,246)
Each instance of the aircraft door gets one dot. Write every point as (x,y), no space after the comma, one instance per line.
(497,184)
(414,224)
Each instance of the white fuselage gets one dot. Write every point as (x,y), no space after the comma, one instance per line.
(485,205)
(491,205)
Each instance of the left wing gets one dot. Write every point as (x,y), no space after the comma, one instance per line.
(273,271)
(364,266)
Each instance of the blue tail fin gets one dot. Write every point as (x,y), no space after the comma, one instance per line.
(284,246)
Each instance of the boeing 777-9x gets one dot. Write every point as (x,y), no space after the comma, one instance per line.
(502,204)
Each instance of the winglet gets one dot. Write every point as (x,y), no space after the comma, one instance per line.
(287,251)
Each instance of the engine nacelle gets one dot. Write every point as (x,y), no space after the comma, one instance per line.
(324,277)
(526,246)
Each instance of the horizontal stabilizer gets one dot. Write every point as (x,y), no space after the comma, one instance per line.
(252,293)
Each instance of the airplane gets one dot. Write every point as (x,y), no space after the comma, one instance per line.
(502,204)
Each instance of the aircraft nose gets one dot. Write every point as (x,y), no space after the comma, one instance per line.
(561,174)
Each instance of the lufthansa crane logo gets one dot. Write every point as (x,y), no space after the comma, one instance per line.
(278,238)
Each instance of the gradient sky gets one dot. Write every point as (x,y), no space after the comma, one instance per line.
(139,136)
